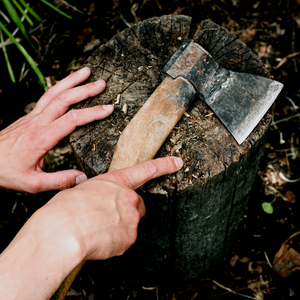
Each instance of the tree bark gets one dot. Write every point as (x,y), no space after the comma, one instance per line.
(192,216)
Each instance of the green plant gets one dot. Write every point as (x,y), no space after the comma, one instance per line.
(267,206)
(11,7)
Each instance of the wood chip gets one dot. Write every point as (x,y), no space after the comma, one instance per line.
(118,99)
(125,108)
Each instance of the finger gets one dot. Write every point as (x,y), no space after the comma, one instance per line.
(61,103)
(63,126)
(65,84)
(56,181)
(141,207)
(135,176)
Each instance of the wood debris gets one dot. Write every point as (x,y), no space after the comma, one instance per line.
(125,108)
(286,261)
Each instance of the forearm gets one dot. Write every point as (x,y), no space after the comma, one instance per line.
(37,260)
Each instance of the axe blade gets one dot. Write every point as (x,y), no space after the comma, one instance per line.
(239,100)
(242,102)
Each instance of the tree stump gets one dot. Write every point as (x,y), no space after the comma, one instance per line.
(192,216)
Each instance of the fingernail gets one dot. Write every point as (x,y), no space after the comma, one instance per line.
(80,178)
(107,107)
(99,82)
(178,162)
(83,70)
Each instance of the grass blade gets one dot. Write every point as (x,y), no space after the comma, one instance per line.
(31,11)
(9,42)
(26,55)
(15,17)
(10,70)
(56,9)
(23,12)
(4,16)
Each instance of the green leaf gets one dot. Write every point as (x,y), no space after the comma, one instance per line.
(294,150)
(26,55)
(267,207)
(23,12)
(31,11)
(15,17)
(10,70)
(56,9)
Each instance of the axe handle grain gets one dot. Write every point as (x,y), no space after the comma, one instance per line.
(144,135)
(149,128)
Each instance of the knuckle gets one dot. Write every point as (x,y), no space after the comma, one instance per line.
(88,88)
(64,183)
(135,217)
(133,197)
(150,168)
(62,97)
(49,93)
(132,236)
(71,116)
(120,177)
(34,185)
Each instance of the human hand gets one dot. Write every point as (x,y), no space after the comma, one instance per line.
(24,144)
(102,213)
(96,219)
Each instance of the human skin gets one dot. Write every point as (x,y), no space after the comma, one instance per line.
(24,144)
(96,219)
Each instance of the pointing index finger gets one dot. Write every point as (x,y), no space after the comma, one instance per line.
(135,176)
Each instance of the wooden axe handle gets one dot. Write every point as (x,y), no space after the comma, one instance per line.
(149,128)
(61,292)
(144,135)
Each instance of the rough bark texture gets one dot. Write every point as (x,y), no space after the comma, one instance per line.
(192,216)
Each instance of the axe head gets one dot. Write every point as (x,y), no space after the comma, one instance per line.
(240,100)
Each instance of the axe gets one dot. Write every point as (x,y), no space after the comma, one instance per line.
(239,100)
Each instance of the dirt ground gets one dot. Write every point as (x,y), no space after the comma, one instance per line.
(271,30)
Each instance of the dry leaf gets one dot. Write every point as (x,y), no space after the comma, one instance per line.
(256,286)
(244,260)
(290,196)
(286,261)
(177,11)
(29,107)
(250,269)
(93,43)
(247,35)
(64,150)
(261,50)
(71,292)
(234,260)
(294,10)
(85,33)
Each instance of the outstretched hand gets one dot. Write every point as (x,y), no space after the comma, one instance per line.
(97,219)
(24,144)
(102,213)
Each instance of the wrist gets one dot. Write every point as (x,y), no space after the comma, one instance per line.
(38,259)
(59,240)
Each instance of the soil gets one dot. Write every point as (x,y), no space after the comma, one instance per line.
(270,29)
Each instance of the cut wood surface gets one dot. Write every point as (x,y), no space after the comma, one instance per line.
(192,216)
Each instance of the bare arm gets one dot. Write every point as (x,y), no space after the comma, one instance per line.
(97,219)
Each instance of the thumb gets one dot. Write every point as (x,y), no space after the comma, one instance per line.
(61,180)
(135,176)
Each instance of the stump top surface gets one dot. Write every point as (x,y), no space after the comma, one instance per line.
(130,63)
